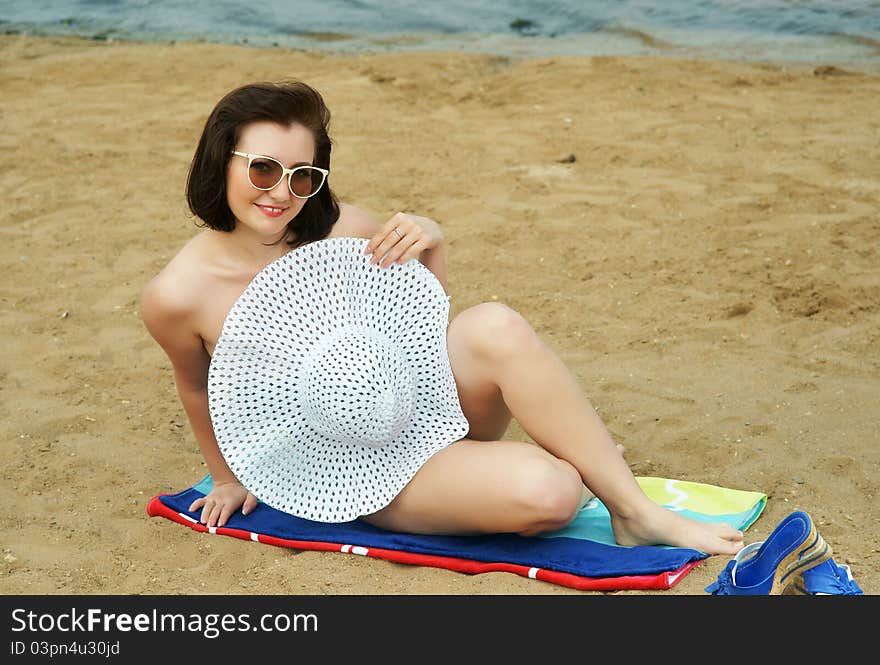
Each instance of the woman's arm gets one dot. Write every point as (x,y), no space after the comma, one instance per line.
(400,239)
(434,259)
(166,316)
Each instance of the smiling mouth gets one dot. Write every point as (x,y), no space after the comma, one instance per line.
(272,211)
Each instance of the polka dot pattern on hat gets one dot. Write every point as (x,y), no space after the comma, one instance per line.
(330,384)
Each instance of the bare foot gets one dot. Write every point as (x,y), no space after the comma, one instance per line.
(655,525)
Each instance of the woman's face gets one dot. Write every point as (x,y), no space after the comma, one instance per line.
(267,212)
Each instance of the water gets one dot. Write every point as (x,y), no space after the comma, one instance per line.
(757,30)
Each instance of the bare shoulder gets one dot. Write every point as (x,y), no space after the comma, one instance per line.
(169,299)
(354,222)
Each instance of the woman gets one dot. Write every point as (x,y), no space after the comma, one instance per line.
(258,182)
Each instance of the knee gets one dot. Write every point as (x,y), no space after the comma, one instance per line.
(494,330)
(551,495)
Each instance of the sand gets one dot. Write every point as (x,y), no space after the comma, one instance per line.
(697,240)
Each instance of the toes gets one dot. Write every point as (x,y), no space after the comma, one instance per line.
(732,534)
(732,547)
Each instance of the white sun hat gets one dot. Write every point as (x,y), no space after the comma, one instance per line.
(330,384)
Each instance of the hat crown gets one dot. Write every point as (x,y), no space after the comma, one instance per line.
(359,388)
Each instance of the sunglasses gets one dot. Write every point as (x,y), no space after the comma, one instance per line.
(265,173)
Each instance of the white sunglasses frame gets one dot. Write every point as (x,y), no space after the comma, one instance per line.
(284,172)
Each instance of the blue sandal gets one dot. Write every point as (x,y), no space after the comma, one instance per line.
(827,579)
(768,567)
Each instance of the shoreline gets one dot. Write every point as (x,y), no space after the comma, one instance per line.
(863,53)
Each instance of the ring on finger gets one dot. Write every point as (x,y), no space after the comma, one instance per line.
(397,231)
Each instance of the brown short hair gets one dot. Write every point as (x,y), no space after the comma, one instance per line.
(285,103)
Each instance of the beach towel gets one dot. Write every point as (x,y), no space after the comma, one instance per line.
(581,555)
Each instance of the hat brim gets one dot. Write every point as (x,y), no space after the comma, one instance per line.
(256,375)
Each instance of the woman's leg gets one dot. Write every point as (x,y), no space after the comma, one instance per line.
(482,484)
(498,359)
(473,487)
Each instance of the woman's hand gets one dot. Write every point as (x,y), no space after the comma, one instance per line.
(223,500)
(403,237)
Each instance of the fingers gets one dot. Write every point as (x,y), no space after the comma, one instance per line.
(217,513)
(399,240)
(211,511)
(249,504)
(225,512)
(402,251)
